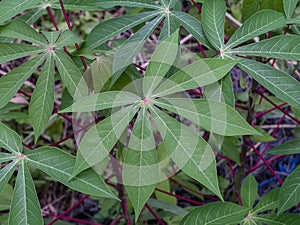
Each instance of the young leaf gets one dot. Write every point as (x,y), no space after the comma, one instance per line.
(188,150)
(101,138)
(291,147)
(25,207)
(289,7)
(11,51)
(67,38)
(200,73)
(6,173)
(10,140)
(213,19)
(269,201)
(216,117)
(12,81)
(289,194)
(101,101)
(260,23)
(218,213)
(59,165)
(110,28)
(282,47)
(279,83)
(42,100)
(20,29)
(140,168)
(249,191)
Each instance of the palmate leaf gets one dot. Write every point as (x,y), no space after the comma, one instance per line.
(289,194)
(269,201)
(12,81)
(25,207)
(6,173)
(214,116)
(42,100)
(289,7)
(10,140)
(213,19)
(279,83)
(218,213)
(282,47)
(188,150)
(249,191)
(11,51)
(140,168)
(292,147)
(200,73)
(59,165)
(260,23)
(101,138)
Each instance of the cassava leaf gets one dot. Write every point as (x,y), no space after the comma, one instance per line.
(129,3)
(249,191)
(291,147)
(6,173)
(86,5)
(5,157)
(67,38)
(289,7)
(269,201)
(10,140)
(170,26)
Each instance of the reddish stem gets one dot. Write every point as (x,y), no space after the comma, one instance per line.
(197,5)
(270,110)
(155,215)
(116,221)
(268,161)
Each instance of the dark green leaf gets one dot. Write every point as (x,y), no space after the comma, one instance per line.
(292,147)
(289,7)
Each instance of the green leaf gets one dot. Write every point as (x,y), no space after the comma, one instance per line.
(109,28)
(170,26)
(101,101)
(25,207)
(213,19)
(218,213)
(11,51)
(193,26)
(12,81)
(59,165)
(289,7)
(272,4)
(129,3)
(200,73)
(70,75)
(131,47)
(67,38)
(140,168)
(6,173)
(9,9)
(289,194)
(227,90)
(291,147)
(42,100)
(176,210)
(281,84)
(294,20)
(249,191)
(86,5)
(5,157)
(282,47)
(165,186)
(161,61)
(282,219)
(188,150)
(10,140)
(51,36)
(249,8)
(214,116)
(20,29)
(260,23)
(269,201)
(101,138)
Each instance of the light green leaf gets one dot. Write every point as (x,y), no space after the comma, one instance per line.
(294,20)
(140,168)
(193,26)
(289,194)
(67,38)
(5,157)
(161,61)
(9,9)
(12,81)
(291,147)
(260,23)
(269,201)
(70,75)
(20,29)
(289,7)
(282,47)
(10,140)
(214,116)
(42,100)
(129,3)
(109,28)
(249,191)
(59,165)
(218,213)
(101,101)
(188,150)
(101,138)
(200,73)
(279,83)
(213,20)
(11,51)
(25,207)
(6,173)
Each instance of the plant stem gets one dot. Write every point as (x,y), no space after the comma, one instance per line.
(155,215)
